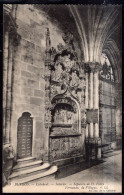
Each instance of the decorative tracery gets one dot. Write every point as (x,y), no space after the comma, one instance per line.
(107,71)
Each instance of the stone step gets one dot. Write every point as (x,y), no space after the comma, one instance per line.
(27,165)
(24,173)
(109,154)
(49,172)
(25,160)
(106,147)
(107,151)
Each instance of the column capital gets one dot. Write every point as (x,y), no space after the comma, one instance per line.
(92,67)
(10,25)
(9,20)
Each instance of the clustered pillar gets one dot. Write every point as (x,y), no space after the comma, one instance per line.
(96,101)
(5,64)
(92,101)
(10,35)
(7,87)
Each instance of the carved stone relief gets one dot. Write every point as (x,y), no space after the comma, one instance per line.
(65,85)
(64,147)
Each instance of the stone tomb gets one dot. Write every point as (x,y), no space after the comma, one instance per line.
(65,117)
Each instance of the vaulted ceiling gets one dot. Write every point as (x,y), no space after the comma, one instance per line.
(97,27)
(100,28)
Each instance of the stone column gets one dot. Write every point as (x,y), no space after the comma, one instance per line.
(87,102)
(10,30)
(91,130)
(9,95)
(47,118)
(96,130)
(87,97)
(99,153)
(96,100)
(87,133)
(91,101)
(5,65)
(92,94)
(92,69)
(91,91)
(96,90)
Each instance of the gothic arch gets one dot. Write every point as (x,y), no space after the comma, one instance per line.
(71,98)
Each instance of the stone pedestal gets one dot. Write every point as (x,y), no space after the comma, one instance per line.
(93,148)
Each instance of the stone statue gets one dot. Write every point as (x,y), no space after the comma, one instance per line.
(8,162)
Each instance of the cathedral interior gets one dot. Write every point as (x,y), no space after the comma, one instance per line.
(62,80)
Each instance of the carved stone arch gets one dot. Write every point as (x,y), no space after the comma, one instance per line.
(68,98)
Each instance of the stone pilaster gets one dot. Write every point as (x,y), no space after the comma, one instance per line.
(47,98)
(5,65)
(10,33)
(9,94)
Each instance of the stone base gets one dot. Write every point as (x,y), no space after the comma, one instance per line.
(93,148)
(106,147)
(119,143)
(68,161)
(67,170)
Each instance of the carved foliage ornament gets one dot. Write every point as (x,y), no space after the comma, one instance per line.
(64,147)
(66,70)
(92,67)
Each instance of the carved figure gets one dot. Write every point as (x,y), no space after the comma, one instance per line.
(67,63)
(69,117)
(75,80)
(8,161)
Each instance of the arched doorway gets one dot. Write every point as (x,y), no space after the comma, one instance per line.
(24,135)
(107,106)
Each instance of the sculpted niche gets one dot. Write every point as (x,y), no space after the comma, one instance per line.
(65,91)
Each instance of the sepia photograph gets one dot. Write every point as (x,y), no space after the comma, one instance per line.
(62,98)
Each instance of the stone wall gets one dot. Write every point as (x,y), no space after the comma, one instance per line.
(28,80)
(28,89)
(118,99)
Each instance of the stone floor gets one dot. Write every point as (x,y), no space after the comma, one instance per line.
(105,177)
